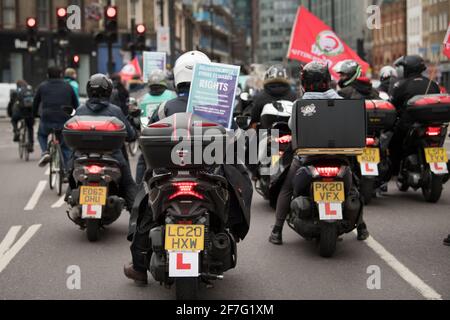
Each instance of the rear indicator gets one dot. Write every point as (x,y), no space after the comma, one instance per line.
(328,171)
(93,169)
(433,131)
(370,142)
(95,126)
(185,189)
(284,139)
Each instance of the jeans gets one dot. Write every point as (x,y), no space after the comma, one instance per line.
(45,129)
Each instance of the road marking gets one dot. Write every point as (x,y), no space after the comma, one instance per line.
(59,203)
(36,195)
(47,172)
(8,252)
(407,275)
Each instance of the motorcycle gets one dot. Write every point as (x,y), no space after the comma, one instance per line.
(190,239)
(95,202)
(374,168)
(274,118)
(425,162)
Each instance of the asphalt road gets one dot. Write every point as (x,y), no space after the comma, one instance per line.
(406,249)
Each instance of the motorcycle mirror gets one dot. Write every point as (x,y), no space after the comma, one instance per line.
(243,122)
(245,96)
(69,110)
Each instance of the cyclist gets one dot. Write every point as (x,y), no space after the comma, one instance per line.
(20,107)
(53,94)
(70,76)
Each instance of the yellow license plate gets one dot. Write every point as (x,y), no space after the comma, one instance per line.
(185,237)
(94,196)
(275,160)
(436,155)
(370,155)
(329,192)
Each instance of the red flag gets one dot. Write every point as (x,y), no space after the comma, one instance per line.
(447,43)
(131,69)
(313,40)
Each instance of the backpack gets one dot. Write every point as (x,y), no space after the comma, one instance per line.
(25,98)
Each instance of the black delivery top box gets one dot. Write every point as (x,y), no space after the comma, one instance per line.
(329,126)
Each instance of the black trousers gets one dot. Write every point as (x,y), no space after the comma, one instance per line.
(29,122)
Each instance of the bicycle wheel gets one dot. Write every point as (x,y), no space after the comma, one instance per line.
(25,144)
(52,176)
(60,173)
(21,141)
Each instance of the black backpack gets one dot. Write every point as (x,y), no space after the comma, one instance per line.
(25,97)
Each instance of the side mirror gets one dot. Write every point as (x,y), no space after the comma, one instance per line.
(243,122)
(69,110)
(245,96)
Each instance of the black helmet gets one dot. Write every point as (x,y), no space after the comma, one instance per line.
(276,74)
(99,86)
(316,77)
(408,66)
(349,70)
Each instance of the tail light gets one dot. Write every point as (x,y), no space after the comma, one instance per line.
(107,126)
(93,169)
(328,172)
(433,131)
(185,189)
(370,142)
(202,124)
(284,139)
(159,125)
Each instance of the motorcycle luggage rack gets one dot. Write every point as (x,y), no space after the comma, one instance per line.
(332,151)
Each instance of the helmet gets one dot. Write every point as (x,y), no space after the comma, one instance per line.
(132,102)
(410,66)
(99,86)
(349,71)
(387,72)
(184,66)
(157,78)
(316,77)
(276,74)
(338,66)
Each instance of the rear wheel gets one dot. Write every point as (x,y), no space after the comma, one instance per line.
(432,188)
(93,230)
(328,240)
(367,190)
(59,173)
(52,171)
(186,288)
(21,141)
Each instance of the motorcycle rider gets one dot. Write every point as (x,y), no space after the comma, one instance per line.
(388,77)
(352,83)
(316,82)
(158,93)
(20,107)
(53,94)
(120,94)
(99,89)
(411,83)
(141,219)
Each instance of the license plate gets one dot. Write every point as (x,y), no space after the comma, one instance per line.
(329,192)
(436,155)
(94,196)
(185,237)
(370,155)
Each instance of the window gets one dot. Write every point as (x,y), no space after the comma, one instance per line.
(9,14)
(43,13)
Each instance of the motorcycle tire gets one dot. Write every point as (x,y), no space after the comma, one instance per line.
(93,230)
(432,189)
(328,240)
(402,186)
(186,289)
(367,190)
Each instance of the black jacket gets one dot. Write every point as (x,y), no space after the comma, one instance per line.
(119,97)
(54,94)
(96,107)
(177,105)
(358,90)
(406,89)
(271,93)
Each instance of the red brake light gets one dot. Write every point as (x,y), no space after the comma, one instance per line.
(185,189)
(159,125)
(370,142)
(328,171)
(433,131)
(204,124)
(93,169)
(94,126)
(284,139)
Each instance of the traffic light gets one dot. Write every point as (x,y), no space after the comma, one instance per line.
(61,16)
(32,38)
(75,61)
(140,37)
(111,23)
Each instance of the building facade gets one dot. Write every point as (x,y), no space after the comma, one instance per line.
(414,26)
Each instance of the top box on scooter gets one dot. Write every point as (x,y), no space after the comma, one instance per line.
(432,108)
(381,115)
(329,126)
(94,134)
(183,141)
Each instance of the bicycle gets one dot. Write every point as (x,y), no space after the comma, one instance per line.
(24,141)
(56,177)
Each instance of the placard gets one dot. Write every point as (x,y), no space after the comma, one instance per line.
(153,61)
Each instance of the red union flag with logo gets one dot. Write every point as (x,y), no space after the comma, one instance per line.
(313,40)
(447,43)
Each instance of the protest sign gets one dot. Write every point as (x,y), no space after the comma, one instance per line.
(153,61)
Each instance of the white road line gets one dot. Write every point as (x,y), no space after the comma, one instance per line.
(36,195)
(407,275)
(7,253)
(59,203)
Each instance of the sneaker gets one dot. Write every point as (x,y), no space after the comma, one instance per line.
(16,137)
(276,237)
(44,160)
(447,241)
(30,149)
(139,278)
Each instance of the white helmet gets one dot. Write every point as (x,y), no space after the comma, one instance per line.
(388,72)
(184,66)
